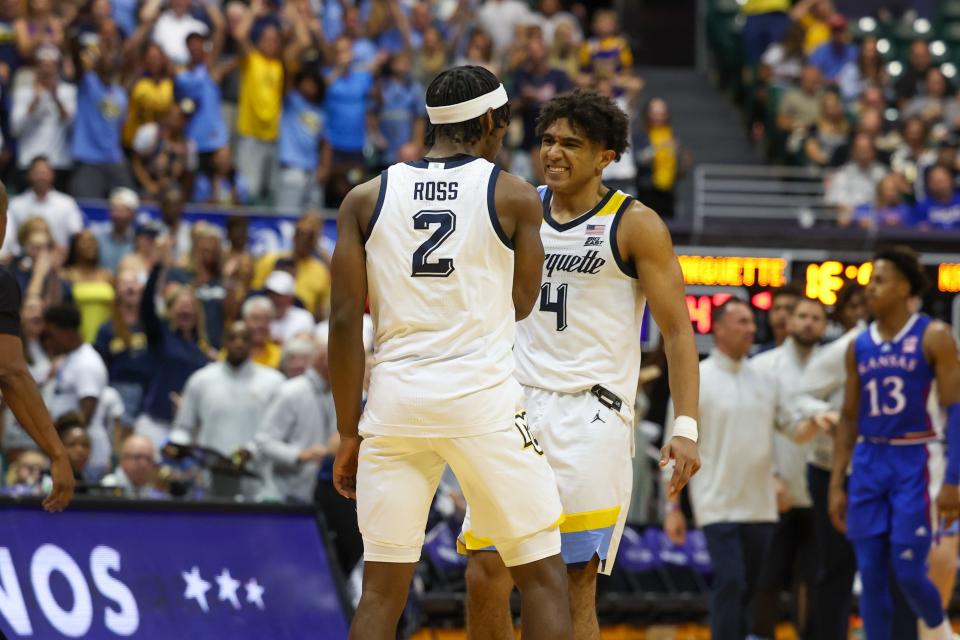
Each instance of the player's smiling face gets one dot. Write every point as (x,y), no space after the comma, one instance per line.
(569,159)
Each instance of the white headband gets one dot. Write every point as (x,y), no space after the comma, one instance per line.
(463,111)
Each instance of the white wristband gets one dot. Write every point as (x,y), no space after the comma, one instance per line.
(686,427)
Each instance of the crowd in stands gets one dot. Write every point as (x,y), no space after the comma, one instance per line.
(175,362)
(825,94)
(288,104)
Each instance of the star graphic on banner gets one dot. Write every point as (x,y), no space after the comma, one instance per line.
(197,588)
(228,588)
(254,593)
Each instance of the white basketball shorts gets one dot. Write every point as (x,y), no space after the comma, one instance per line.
(504,477)
(590,447)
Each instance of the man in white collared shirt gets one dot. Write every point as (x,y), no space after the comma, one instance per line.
(733,493)
(298,432)
(60,210)
(224,403)
(788,563)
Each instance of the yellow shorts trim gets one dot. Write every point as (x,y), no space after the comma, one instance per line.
(469,542)
(590,520)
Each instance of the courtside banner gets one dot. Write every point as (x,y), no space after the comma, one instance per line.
(137,570)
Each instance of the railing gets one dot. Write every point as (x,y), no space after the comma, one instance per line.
(789,194)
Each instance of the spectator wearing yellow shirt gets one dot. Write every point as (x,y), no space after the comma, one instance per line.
(659,158)
(814,16)
(151,95)
(607,50)
(312,277)
(260,101)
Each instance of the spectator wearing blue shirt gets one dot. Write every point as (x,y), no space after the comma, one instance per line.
(888,210)
(304,157)
(179,342)
(122,344)
(347,107)
(408,26)
(332,15)
(223,185)
(534,85)
(941,208)
(204,274)
(831,57)
(101,110)
(116,241)
(365,51)
(124,13)
(401,117)
(199,85)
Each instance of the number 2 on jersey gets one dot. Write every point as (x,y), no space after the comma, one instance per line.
(446,223)
(893,390)
(558,306)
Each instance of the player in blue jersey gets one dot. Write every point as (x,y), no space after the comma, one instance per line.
(884,427)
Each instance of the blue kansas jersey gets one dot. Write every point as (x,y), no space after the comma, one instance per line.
(888,492)
(895,380)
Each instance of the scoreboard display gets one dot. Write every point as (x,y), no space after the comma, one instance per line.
(713,275)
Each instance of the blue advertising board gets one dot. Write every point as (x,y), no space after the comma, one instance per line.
(156,572)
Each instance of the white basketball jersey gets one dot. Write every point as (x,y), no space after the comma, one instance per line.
(585,329)
(440,279)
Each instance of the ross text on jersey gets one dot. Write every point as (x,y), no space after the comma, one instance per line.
(435,190)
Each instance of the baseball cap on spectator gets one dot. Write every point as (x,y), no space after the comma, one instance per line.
(125,197)
(280,282)
(48,52)
(837,22)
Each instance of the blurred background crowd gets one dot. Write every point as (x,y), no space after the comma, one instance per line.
(287,104)
(171,104)
(175,362)
(869,99)
(181,360)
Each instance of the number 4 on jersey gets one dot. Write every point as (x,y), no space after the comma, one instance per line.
(558,306)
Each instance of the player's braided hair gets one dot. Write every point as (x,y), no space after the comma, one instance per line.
(906,262)
(457,85)
(590,114)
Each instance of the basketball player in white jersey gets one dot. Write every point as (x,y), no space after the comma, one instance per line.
(578,356)
(449,252)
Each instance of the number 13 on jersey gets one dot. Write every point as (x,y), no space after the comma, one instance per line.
(886,397)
